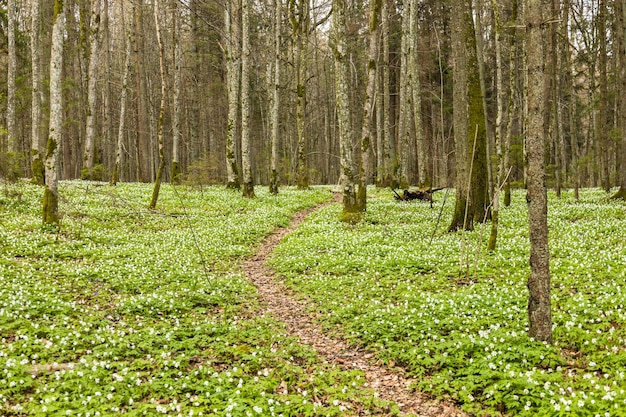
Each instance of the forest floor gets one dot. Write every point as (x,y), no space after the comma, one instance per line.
(300,318)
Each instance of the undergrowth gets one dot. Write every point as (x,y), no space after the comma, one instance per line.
(455,316)
(123,310)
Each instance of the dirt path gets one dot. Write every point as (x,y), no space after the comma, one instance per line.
(390,384)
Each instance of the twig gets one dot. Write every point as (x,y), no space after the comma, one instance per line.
(445,197)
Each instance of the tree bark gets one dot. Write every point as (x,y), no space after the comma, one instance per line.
(51,191)
(348,177)
(159,173)
(92,83)
(123,96)
(368,103)
(404,131)
(11,73)
(177,108)
(620,14)
(275,108)
(539,313)
(35,47)
(246,164)
(416,92)
(233,71)
(460,92)
(300,27)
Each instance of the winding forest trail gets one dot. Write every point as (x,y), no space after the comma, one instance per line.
(281,303)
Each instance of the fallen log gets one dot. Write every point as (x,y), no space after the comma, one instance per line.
(424,195)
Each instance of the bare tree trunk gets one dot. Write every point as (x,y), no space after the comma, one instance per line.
(389,145)
(92,83)
(404,132)
(11,73)
(51,191)
(602,132)
(246,164)
(123,96)
(177,108)
(498,131)
(348,177)
(275,110)
(539,313)
(416,94)
(159,173)
(368,102)
(300,27)
(460,218)
(620,14)
(35,47)
(142,150)
(233,68)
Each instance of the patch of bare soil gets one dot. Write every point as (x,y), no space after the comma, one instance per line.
(281,303)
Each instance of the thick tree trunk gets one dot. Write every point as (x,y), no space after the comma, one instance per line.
(602,132)
(389,144)
(246,162)
(348,177)
(233,71)
(460,217)
(299,17)
(123,96)
(142,148)
(92,83)
(539,313)
(159,173)
(404,131)
(51,191)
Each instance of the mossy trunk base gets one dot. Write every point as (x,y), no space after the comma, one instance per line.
(50,207)
(493,237)
(458,218)
(274,182)
(248,190)
(175,173)
(620,194)
(38,172)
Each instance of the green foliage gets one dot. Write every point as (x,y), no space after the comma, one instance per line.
(11,165)
(458,323)
(203,171)
(118,313)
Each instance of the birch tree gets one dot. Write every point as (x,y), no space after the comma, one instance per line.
(539,313)
(51,190)
(348,177)
(246,164)
(92,93)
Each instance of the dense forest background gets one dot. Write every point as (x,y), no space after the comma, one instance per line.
(111,56)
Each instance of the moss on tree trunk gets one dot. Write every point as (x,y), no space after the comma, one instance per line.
(175,173)
(50,207)
(458,218)
(38,169)
(248,190)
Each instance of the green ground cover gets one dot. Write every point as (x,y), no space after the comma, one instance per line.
(455,316)
(118,313)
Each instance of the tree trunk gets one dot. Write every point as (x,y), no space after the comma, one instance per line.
(539,313)
(348,177)
(368,102)
(159,173)
(404,132)
(35,47)
(233,71)
(423,179)
(11,73)
(142,150)
(275,108)
(498,129)
(602,132)
(620,13)
(389,144)
(458,21)
(300,26)
(123,95)
(248,183)
(51,191)
(92,83)
(177,108)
